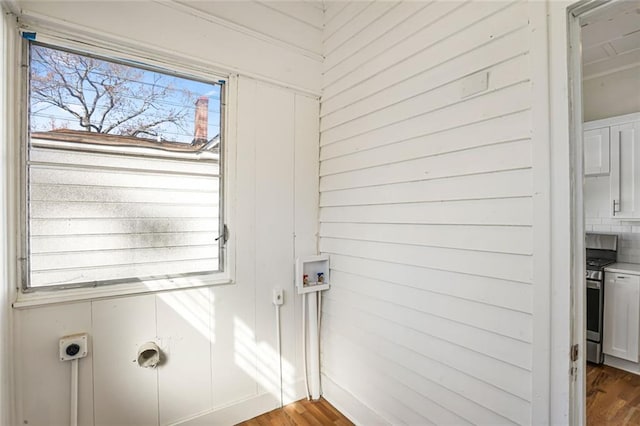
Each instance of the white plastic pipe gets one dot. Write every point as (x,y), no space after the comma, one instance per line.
(74,393)
(314,346)
(304,344)
(279,340)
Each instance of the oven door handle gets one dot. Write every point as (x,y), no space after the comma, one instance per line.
(594,284)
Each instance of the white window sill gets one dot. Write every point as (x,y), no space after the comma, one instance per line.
(59,296)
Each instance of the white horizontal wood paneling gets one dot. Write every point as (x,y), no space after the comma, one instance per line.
(432,45)
(278,22)
(510,183)
(309,11)
(346,15)
(510,211)
(359,41)
(475,364)
(491,105)
(488,264)
(505,74)
(438,74)
(488,290)
(426,211)
(366,18)
(248,38)
(449,140)
(503,239)
(456,394)
(499,157)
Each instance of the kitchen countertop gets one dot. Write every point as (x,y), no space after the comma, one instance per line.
(624,268)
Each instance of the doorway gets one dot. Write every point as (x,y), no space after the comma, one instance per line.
(604,69)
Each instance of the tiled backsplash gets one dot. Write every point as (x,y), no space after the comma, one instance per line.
(598,219)
(628,236)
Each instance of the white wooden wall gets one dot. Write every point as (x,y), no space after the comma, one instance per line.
(426,209)
(220,342)
(278,41)
(6,192)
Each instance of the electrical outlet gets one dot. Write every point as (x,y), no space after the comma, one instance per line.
(278,296)
(74,346)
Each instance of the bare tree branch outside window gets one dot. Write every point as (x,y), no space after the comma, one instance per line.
(106,97)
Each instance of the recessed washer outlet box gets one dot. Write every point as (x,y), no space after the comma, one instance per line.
(74,346)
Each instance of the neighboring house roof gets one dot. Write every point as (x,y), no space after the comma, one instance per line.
(84,137)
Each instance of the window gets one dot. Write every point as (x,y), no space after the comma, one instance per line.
(123,171)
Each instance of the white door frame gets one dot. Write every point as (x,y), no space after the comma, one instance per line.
(577,390)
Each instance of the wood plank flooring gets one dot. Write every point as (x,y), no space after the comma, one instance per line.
(613,396)
(301,413)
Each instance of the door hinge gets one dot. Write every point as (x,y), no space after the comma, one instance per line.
(574,353)
(224,236)
(574,373)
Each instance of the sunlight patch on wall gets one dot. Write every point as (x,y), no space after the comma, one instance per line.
(196,307)
(260,361)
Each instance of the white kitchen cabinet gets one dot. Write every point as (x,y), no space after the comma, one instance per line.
(621,315)
(596,152)
(625,170)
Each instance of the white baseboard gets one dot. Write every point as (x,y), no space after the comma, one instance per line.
(236,413)
(243,410)
(622,364)
(350,406)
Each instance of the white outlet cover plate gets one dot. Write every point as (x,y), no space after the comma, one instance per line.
(475,83)
(80,339)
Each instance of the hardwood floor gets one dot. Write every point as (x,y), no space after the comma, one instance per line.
(301,413)
(613,396)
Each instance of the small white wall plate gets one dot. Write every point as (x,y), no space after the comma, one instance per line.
(74,346)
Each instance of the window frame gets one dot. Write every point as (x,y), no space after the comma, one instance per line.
(148,60)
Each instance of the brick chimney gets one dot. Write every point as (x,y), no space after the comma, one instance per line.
(201,121)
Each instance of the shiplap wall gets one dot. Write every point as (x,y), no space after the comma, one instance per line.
(278,41)
(426,210)
(220,342)
(7,28)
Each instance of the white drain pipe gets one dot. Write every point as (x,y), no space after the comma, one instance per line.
(314,346)
(74,393)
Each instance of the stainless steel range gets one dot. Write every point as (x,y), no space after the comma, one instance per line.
(601,252)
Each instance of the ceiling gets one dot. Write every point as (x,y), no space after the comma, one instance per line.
(611,39)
